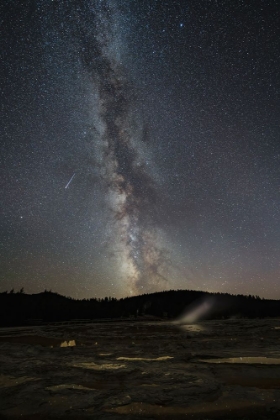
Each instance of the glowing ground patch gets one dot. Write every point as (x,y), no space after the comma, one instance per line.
(95,366)
(245,360)
(143,359)
(7,381)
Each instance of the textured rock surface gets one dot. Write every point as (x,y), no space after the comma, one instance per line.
(141,370)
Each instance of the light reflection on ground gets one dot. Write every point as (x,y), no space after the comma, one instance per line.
(36,340)
(192,327)
(70,343)
(245,360)
(95,366)
(136,359)
(224,407)
(7,381)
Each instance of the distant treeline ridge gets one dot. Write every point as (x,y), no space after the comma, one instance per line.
(18,308)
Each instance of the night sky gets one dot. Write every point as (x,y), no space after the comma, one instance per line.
(140,146)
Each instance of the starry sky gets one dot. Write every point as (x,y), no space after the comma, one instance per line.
(140,146)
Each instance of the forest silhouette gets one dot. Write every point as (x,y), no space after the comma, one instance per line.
(18,308)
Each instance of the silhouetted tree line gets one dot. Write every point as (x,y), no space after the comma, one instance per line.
(18,308)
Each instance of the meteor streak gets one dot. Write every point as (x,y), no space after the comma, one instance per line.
(69,182)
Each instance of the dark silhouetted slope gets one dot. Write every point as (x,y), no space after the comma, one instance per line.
(21,309)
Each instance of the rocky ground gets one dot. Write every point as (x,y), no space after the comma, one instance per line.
(141,370)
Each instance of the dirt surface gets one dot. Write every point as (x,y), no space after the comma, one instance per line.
(141,370)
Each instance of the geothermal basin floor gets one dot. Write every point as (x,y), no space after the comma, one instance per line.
(228,369)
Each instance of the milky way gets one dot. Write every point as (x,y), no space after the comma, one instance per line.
(132,196)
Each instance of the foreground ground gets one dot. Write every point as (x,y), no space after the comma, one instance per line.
(141,370)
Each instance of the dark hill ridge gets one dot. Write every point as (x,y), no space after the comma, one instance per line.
(22,309)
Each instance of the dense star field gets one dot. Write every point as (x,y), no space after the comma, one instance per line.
(140,146)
